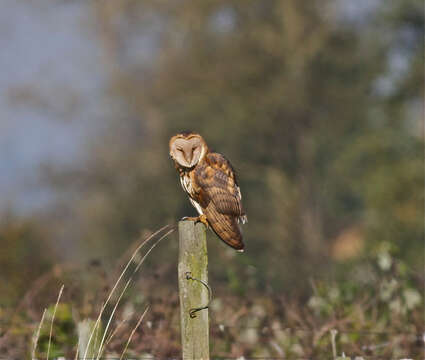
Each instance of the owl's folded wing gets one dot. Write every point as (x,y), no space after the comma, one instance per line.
(225,226)
(218,183)
(221,199)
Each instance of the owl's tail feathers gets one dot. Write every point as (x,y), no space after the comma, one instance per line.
(226,227)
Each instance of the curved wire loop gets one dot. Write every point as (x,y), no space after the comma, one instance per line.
(193,311)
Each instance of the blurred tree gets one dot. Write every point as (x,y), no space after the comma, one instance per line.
(297,99)
(383,164)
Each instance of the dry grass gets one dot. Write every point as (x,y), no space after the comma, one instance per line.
(133,331)
(95,329)
(37,335)
(171,229)
(53,319)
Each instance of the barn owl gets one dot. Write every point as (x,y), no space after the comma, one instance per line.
(210,181)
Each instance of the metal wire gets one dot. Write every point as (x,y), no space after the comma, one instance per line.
(193,311)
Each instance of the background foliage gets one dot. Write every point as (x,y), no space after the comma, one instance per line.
(318,107)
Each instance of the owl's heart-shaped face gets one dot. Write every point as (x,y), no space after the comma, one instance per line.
(188,150)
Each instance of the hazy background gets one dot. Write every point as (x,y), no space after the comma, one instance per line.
(319,106)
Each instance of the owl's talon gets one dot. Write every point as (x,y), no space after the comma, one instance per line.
(190,218)
(202,218)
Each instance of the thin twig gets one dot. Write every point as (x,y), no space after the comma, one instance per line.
(132,333)
(37,335)
(53,319)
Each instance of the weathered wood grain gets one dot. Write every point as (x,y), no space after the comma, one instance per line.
(193,258)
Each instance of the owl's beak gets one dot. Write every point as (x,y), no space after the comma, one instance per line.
(186,157)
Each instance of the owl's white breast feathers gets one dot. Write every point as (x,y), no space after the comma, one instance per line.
(186,183)
(196,206)
(187,186)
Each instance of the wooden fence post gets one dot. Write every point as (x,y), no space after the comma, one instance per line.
(193,261)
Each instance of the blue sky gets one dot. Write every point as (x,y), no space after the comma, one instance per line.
(50,94)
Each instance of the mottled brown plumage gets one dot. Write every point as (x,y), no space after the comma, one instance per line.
(210,181)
